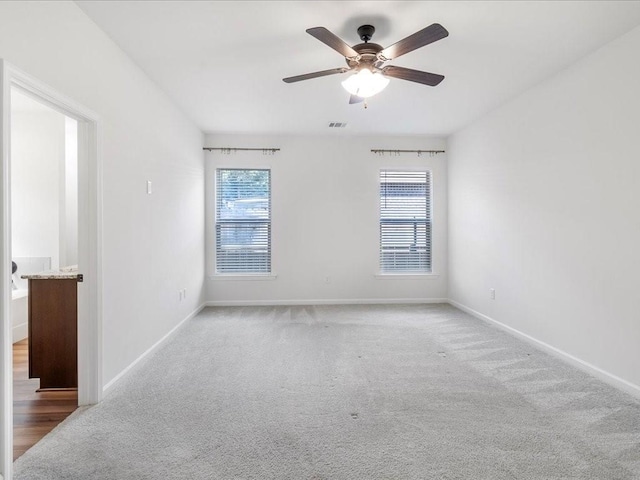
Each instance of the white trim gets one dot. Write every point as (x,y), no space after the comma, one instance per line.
(259,277)
(89,230)
(151,349)
(43,93)
(406,276)
(348,301)
(90,258)
(89,246)
(6,375)
(586,367)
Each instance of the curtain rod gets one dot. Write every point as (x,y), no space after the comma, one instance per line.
(228,150)
(398,152)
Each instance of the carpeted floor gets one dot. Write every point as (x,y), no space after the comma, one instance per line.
(346,392)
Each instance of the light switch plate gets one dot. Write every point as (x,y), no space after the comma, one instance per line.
(149,189)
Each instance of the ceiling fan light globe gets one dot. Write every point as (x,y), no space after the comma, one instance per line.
(365,84)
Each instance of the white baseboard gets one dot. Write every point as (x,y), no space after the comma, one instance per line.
(19,332)
(586,367)
(151,349)
(351,301)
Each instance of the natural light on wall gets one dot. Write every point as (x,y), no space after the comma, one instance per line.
(365,83)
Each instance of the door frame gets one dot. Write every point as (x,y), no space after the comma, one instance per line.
(89,247)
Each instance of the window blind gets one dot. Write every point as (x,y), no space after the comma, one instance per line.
(243,221)
(405,222)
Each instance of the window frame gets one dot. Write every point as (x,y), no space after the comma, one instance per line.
(385,271)
(241,275)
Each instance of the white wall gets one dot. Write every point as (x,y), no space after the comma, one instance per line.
(37,153)
(325,211)
(543,207)
(153,245)
(69,201)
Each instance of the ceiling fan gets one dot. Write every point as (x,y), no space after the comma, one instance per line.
(368,60)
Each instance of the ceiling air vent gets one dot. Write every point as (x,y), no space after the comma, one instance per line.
(337,124)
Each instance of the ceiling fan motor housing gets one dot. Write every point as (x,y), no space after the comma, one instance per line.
(366,32)
(367,53)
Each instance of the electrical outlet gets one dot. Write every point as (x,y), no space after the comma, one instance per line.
(149,187)
(492,293)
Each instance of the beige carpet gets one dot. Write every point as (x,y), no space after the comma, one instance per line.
(346,392)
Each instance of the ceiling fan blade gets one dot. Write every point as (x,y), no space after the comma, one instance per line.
(355,99)
(308,76)
(328,38)
(426,78)
(430,34)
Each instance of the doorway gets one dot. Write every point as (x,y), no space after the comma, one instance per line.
(44,237)
(87,252)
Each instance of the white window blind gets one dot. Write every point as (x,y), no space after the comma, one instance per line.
(405,222)
(243,221)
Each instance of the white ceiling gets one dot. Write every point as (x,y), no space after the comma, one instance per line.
(223,62)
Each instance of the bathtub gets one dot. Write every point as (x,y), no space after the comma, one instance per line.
(19,308)
(20,297)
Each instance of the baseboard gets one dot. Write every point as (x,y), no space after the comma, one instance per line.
(19,332)
(151,349)
(586,367)
(351,301)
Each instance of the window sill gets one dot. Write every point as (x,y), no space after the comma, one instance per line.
(249,276)
(407,276)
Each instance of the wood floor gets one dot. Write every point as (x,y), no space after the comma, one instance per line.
(34,413)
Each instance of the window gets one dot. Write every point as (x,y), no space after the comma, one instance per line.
(243,221)
(405,222)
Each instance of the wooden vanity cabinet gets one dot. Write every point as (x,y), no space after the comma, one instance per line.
(53,332)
